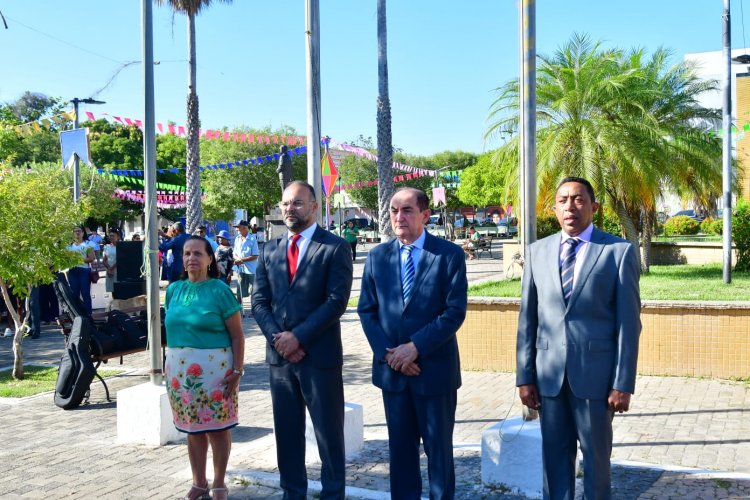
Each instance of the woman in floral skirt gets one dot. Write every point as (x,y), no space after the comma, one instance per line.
(205,352)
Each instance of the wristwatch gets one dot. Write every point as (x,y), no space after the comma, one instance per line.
(240,371)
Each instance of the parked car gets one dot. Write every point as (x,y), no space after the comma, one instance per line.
(690,213)
(360,223)
(434,222)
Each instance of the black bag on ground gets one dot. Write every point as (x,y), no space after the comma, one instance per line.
(126,332)
(76,370)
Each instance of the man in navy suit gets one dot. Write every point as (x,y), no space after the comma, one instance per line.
(413,301)
(302,286)
(577,345)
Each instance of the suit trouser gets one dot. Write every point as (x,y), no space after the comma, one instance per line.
(410,416)
(245,286)
(566,419)
(294,386)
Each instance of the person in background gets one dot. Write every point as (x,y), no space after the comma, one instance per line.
(79,276)
(471,243)
(204,364)
(224,257)
(96,241)
(136,237)
(201,231)
(245,259)
(350,234)
(175,244)
(110,260)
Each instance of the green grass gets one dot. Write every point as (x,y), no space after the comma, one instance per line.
(684,282)
(37,379)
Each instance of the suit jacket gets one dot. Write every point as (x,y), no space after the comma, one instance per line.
(311,305)
(594,339)
(430,318)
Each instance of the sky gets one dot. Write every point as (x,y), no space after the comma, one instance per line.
(445,58)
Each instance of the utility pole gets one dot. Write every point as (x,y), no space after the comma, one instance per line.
(312,59)
(528,123)
(727,146)
(76,166)
(149,171)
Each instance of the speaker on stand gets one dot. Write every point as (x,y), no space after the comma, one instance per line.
(129,282)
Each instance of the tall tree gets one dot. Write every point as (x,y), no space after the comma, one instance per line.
(385,139)
(191,8)
(630,125)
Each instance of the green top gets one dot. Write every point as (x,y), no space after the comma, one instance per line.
(350,234)
(196,313)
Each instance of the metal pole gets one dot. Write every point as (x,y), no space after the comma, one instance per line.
(312,59)
(76,166)
(149,170)
(527,144)
(727,147)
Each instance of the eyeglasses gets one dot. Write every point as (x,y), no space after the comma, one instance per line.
(296,204)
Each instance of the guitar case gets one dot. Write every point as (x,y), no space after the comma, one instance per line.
(76,371)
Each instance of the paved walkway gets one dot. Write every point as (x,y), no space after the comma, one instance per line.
(686,438)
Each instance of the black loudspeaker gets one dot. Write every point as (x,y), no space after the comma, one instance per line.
(129,260)
(127,290)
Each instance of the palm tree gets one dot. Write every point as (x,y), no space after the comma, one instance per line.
(385,140)
(191,8)
(632,127)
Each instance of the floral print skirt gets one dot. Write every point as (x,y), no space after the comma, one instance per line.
(196,389)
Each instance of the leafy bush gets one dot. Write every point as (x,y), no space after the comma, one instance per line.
(712,226)
(609,222)
(546,225)
(681,225)
(741,235)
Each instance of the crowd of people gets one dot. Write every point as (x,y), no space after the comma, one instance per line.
(577,339)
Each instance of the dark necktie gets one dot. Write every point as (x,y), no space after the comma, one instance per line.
(292,254)
(567,267)
(407,280)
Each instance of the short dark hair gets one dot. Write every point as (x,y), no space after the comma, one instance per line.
(305,184)
(579,180)
(423,202)
(213,269)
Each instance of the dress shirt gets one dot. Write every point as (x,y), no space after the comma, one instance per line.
(583,245)
(303,242)
(416,252)
(243,248)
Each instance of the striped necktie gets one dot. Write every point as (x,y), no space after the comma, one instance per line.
(567,267)
(407,278)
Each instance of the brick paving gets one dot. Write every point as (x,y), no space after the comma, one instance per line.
(683,437)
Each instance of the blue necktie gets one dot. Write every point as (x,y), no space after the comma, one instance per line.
(567,267)
(407,279)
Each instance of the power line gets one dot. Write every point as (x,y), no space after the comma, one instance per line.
(64,41)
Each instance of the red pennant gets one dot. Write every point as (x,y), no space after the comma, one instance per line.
(250,138)
(90,116)
(160,127)
(226,136)
(275,139)
(236,137)
(139,124)
(268,139)
(128,121)
(118,119)
(181,130)
(171,129)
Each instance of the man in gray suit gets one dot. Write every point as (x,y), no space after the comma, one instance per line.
(302,285)
(577,344)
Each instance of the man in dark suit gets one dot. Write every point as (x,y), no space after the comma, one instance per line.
(577,345)
(302,286)
(175,243)
(413,301)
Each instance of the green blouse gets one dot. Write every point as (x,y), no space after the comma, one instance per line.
(196,313)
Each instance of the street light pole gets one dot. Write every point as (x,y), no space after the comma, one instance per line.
(76,167)
(727,147)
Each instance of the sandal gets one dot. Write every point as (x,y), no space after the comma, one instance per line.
(219,493)
(200,491)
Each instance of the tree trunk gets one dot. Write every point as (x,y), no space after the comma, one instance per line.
(649,216)
(194,214)
(18,337)
(385,145)
(631,232)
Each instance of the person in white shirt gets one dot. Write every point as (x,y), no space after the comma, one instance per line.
(245,256)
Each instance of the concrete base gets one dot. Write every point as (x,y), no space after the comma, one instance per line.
(354,437)
(145,417)
(512,457)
